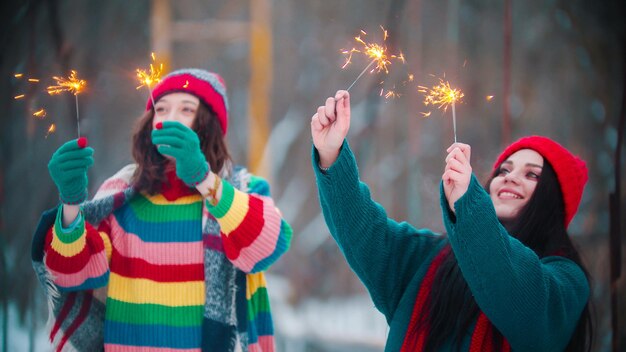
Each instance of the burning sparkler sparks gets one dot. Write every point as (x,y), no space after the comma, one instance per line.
(70,84)
(30,80)
(148,77)
(51,129)
(41,113)
(442,96)
(374,51)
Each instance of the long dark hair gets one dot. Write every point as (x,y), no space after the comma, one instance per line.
(151,165)
(540,226)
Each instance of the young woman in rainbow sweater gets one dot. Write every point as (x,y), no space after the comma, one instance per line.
(170,253)
(505,277)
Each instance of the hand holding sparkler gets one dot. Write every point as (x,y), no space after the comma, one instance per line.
(71,84)
(329,127)
(68,169)
(442,96)
(457,173)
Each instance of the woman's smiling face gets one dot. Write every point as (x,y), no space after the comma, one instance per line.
(515,183)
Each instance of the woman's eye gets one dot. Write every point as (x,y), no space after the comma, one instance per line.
(188,110)
(159,109)
(532,175)
(503,171)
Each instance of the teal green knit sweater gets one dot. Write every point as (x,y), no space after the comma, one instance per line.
(534,302)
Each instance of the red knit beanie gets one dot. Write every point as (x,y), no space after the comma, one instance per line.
(570,170)
(209,87)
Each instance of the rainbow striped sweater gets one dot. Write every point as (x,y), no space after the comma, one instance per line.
(179,274)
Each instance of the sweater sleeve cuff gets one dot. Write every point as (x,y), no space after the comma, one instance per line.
(344,165)
(221,208)
(475,199)
(68,244)
(75,224)
(73,231)
(464,206)
(474,210)
(449,217)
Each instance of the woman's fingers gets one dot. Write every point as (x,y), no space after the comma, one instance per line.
(456,165)
(458,154)
(466,149)
(316,125)
(448,177)
(342,99)
(173,152)
(321,116)
(171,141)
(452,173)
(330,109)
(75,164)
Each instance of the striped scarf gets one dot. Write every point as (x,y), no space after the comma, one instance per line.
(482,338)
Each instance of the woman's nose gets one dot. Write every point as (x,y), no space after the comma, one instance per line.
(511,177)
(170,115)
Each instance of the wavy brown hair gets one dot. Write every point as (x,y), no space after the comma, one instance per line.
(150,176)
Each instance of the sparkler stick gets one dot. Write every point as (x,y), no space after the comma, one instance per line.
(442,95)
(454,121)
(73,85)
(148,78)
(361,74)
(77,116)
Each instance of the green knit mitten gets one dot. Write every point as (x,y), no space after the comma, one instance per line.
(182,143)
(68,169)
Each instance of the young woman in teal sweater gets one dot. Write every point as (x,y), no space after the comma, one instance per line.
(505,277)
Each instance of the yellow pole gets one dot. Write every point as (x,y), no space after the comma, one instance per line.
(260,84)
(161,29)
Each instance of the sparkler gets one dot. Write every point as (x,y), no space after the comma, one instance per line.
(442,96)
(376,52)
(71,84)
(148,77)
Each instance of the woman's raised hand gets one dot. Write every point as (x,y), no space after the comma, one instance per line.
(180,142)
(68,169)
(330,125)
(457,173)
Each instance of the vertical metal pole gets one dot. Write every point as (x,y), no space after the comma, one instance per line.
(161,30)
(261,72)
